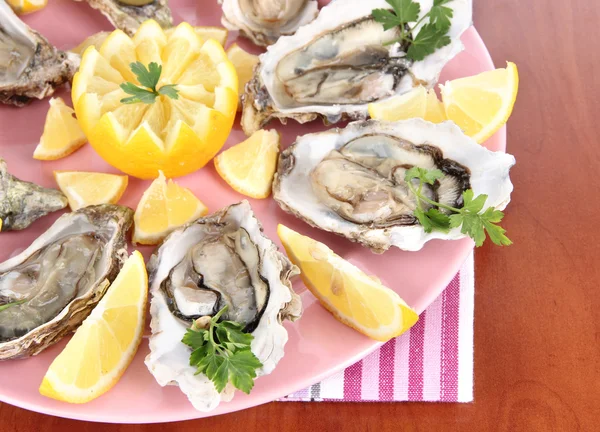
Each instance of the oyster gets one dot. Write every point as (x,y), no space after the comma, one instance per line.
(218,260)
(30,67)
(351,181)
(127,15)
(51,287)
(264,21)
(339,63)
(22,203)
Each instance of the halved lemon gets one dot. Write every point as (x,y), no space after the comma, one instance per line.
(90,188)
(22,7)
(244,63)
(177,136)
(104,345)
(164,207)
(62,134)
(354,298)
(249,166)
(481,104)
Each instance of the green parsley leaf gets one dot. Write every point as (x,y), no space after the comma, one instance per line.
(148,78)
(406,10)
(469,218)
(223,353)
(387,18)
(441,15)
(170,91)
(428,39)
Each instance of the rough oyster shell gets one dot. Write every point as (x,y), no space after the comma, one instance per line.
(30,67)
(128,17)
(294,191)
(337,64)
(22,203)
(168,360)
(264,21)
(109,223)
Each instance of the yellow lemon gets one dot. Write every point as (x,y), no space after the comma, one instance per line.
(409,105)
(83,189)
(249,167)
(244,63)
(22,7)
(104,345)
(62,134)
(481,104)
(434,112)
(164,207)
(177,136)
(354,298)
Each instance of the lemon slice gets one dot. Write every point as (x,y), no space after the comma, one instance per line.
(104,345)
(249,166)
(244,63)
(22,7)
(177,136)
(409,105)
(62,134)
(164,207)
(89,188)
(481,104)
(354,298)
(434,112)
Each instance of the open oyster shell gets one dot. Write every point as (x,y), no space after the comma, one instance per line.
(264,21)
(351,181)
(336,65)
(127,15)
(22,203)
(51,287)
(219,259)
(30,67)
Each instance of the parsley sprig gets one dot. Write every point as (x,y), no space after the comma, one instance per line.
(222,353)
(472,221)
(148,78)
(431,36)
(8,305)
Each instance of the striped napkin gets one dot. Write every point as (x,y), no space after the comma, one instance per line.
(433,361)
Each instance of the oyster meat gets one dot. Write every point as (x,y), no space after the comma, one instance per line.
(222,259)
(30,67)
(351,181)
(51,287)
(127,15)
(22,203)
(264,21)
(339,63)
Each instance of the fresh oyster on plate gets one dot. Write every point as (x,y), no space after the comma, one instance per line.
(218,260)
(22,203)
(264,21)
(339,63)
(30,67)
(351,181)
(51,287)
(127,15)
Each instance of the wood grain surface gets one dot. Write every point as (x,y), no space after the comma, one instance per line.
(537,304)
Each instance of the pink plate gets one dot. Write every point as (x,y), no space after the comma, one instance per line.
(318,344)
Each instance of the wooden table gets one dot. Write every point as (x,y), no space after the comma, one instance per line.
(537,305)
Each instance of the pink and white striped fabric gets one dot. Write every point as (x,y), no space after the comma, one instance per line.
(433,361)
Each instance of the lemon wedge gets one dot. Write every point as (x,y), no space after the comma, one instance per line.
(164,207)
(434,111)
(62,134)
(83,189)
(481,104)
(244,63)
(409,105)
(176,136)
(22,7)
(249,166)
(104,345)
(354,298)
